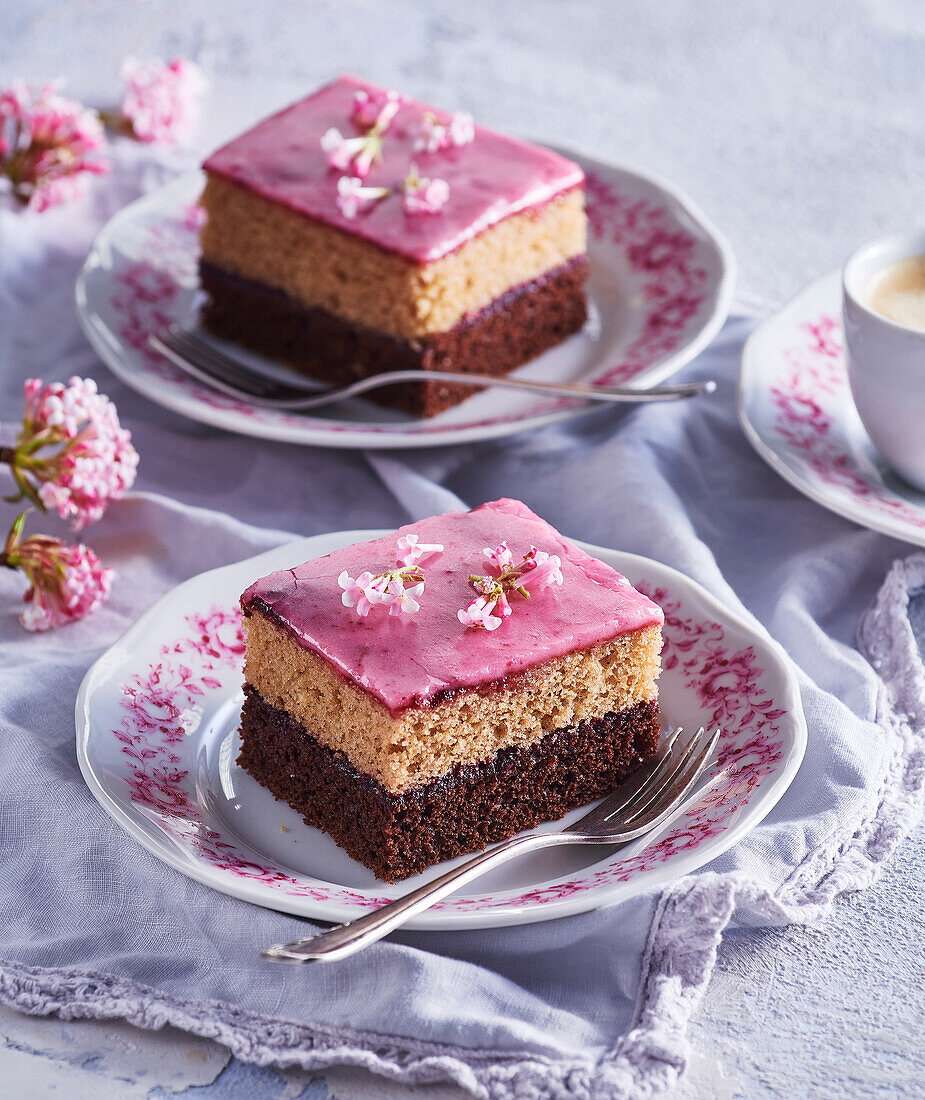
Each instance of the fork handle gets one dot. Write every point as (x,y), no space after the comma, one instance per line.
(676,391)
(345,939)
(207,364)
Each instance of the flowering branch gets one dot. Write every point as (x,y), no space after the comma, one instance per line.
(490,608)
(47,143)
(65,582)
(398,589)
(71,453)
(162,100)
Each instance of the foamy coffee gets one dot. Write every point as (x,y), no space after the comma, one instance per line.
(898,292)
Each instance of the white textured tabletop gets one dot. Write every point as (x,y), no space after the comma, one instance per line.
(799,129)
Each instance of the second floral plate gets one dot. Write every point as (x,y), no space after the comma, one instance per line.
(661,284)
(157,741)
(796,409)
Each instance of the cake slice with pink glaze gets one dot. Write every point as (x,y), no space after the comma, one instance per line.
(358,231)
(448,685)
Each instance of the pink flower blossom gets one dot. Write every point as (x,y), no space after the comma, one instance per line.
(48,143)
(353,197)
(399,589)
(540,569)
(479,613)
(65,582)
(372,108)
(360,593)
(410,550)
(537,570)
(424,196)
(405,600)
(93,461)
(56,192)
(494,589)
(462,128)
(501,558)
(441,132)
(162,99)
(340,150)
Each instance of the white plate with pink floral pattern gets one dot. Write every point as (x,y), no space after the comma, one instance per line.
(796,408)
(660,288)
(157,742)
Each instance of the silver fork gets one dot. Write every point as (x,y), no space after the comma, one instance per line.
(639,805)
(206,363)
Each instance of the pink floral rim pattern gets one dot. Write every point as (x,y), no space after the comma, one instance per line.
(162,703)
(655,247)
(665,255)
(807,395)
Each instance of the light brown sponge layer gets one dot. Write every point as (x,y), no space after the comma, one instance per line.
(421,743)
(324,268)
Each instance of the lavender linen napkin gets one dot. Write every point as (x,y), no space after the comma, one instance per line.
(591,1006)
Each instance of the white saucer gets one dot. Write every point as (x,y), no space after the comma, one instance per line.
(796,409)
(660,288)
(157,717)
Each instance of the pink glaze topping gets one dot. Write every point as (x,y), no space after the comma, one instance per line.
(489,179)
(406,661)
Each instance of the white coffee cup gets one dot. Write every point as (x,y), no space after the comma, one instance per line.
(886,360)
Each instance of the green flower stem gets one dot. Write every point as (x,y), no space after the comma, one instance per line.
(27,491)
(7,558)
(23,461)
(113,119)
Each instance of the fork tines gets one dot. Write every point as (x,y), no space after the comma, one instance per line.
(655,790)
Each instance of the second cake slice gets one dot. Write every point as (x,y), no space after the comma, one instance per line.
(411,738)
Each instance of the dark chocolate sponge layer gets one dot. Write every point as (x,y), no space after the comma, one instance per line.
(475,805)
(519,325)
